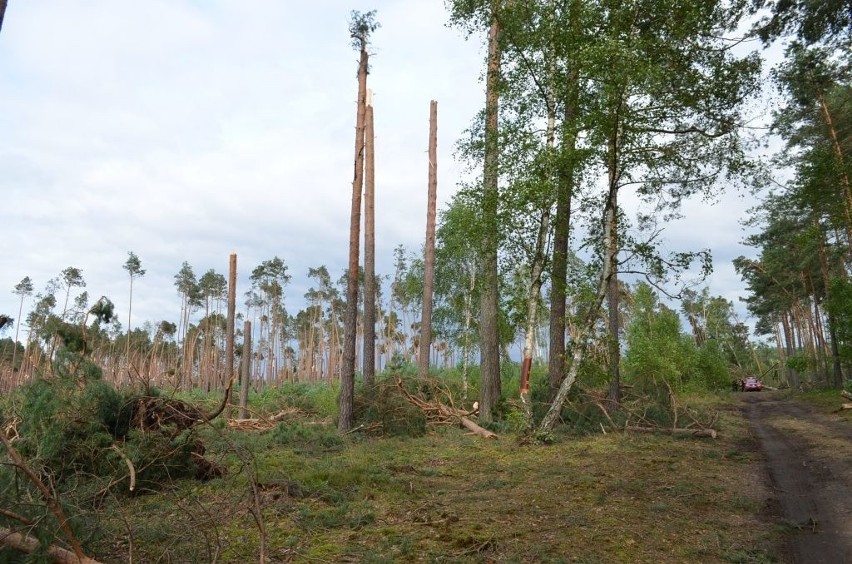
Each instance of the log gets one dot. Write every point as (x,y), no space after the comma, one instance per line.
(846,394)
(27,544)
(847,406)
(675,432)
(476,429)
(466,423)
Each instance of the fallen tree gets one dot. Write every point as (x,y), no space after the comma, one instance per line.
(436,411)
(685,432)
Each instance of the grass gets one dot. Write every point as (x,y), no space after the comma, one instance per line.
(451,497)
(828,401)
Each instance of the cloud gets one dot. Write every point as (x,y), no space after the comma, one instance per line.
(184,130)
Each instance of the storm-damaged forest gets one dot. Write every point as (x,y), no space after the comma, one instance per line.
(545,379)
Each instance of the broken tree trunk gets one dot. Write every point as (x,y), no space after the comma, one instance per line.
(676,432)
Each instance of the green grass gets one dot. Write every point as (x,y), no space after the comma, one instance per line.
(448,496)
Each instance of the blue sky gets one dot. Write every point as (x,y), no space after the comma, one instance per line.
(187,130)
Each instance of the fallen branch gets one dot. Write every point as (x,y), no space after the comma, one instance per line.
(846,394)
(15,516)
(676,432)
(27,544)
(443,413)
(264,423)
(129,467)
(49,499)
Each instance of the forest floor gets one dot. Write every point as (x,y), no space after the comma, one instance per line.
(773,486)
(808,453)
(302,493)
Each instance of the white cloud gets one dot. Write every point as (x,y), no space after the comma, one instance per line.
(185,130)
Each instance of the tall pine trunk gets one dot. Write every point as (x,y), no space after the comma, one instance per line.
(369,364)
(429,257)
(489,346)
(232,315)
(350,330)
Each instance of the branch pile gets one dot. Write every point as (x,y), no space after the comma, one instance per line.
(643,415)
(264,423)
(694,427)
(437,412)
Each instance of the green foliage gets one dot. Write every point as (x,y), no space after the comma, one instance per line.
(315,398)
(658,351)
(656,348)
(711,369)
(839,307)
(799,363)
(306,436)
(75,433)
(385,405)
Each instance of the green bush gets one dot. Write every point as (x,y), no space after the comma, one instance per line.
(384,405)
(298,434)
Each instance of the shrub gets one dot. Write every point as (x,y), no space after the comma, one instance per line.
(383,405)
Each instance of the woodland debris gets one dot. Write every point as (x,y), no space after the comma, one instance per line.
(152,413)
(846,394)
(27,544)
(51,502)
(10,429)
(264,423)
(440,413)
(676,432)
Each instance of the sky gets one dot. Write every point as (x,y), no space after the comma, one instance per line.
(185,130)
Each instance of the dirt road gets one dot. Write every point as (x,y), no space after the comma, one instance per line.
(809,457)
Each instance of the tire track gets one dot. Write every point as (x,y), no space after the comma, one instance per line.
(809,459)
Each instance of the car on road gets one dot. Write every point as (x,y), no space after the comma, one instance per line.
(752,384)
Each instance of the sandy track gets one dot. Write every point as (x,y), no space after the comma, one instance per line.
(809,458)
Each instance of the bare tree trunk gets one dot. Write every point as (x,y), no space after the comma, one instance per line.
(489,385)
(245,371)
(232,309)
(347,376)
(429,257)
(836,367)
(369,364)
(468,317)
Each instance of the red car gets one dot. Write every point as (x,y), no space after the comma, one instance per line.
(752,384)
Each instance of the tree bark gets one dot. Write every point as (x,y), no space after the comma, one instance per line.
(245,372)
(535,282)
(839,156)
(582,340)
(350,329)
(611,250)
(232,314)
(369,362)
(489,385)
(429,253)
